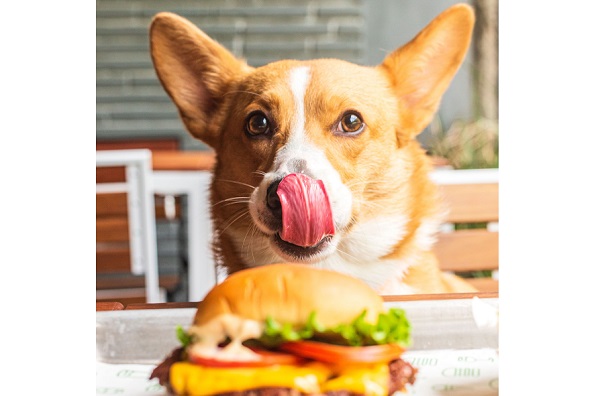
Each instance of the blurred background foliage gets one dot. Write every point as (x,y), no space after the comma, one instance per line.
(466,144)
(473,143)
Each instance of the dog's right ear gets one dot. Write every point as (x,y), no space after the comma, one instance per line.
(421,70)
(195,70)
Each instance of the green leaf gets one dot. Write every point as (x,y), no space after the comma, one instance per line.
(289,334)
(313,324)
(272,327)
(391,327)
(183,337)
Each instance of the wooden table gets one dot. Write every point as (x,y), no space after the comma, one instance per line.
(109,306)
(192,304)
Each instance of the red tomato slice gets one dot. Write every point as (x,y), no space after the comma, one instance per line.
(266,358)
(343,354)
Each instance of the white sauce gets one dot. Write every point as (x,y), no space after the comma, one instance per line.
(217,330)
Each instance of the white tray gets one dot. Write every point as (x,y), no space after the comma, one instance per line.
(455,347)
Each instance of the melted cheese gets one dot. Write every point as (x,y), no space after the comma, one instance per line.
(190,379)
(369,380)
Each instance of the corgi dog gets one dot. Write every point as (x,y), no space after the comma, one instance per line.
(317,161)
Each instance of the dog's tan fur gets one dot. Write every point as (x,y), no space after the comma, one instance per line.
(384,168)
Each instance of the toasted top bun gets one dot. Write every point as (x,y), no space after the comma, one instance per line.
(289,293)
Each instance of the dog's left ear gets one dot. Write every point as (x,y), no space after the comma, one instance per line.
(195,71)
(421,70)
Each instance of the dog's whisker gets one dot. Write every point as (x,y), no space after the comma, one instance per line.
(253,230)
(224,204)
(250,242)
(244,240)
(236,198)
(248,231)
(232,201)
(238,215)
(237,182)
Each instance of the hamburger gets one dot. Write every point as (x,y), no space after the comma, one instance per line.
(290,329)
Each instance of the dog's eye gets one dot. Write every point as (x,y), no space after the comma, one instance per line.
(257,124)
(351,123)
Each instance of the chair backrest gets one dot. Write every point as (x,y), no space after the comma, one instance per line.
(126,243)
(468,242)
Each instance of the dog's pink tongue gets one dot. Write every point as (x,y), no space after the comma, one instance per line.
(305,210)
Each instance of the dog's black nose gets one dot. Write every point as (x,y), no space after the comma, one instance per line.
(273,201)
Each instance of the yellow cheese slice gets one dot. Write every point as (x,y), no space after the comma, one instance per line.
(369,380)
(191,379)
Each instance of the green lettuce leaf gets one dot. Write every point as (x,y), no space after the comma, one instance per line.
(184,338)
(391,327)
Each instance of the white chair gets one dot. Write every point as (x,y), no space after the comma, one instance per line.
(140,214)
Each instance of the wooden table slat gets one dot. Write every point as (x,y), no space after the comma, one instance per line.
(412,297)
(109,306)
